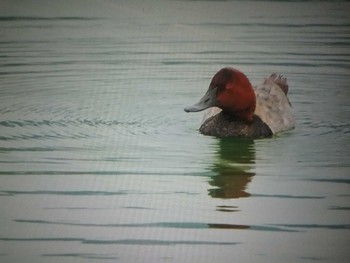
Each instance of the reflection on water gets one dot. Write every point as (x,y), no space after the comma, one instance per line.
(232,169)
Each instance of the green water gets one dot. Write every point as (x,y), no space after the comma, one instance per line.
(99,162)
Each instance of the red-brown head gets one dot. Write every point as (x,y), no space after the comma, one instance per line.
(231,91)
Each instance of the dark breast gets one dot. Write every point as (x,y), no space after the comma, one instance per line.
(223,125)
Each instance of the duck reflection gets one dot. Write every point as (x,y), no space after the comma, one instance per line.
(232,170)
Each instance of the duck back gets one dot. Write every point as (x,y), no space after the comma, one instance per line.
(272,104)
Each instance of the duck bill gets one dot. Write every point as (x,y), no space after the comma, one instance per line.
(207,101)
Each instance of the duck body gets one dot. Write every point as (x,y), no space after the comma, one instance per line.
(236,109)
(224,125)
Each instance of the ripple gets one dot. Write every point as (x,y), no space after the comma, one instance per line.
(41,18)
(333,180)
(155,242)
(63,129)
(72,193)
(318,226)
(180,225)
(63,123)
(269,25)
(119,241)
(289,196)
(83,255)
(344,208)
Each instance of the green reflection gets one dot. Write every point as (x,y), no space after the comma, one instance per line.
(232,169)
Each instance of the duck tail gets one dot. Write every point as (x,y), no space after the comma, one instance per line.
(279,80)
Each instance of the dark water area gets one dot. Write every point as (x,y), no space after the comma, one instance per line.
(99,162)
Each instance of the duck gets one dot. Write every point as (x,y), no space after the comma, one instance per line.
(234,108)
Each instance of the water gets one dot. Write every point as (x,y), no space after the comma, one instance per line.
(99,162)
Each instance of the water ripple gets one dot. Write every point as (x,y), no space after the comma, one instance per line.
(180,225)
(63,123)
(288,196)
(83,255)
(63,129)
(41,18)
(277,25)
(119,241)
(81,193)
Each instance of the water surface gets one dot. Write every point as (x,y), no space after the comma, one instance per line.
(99,162)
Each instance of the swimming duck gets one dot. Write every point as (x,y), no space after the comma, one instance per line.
(238,109)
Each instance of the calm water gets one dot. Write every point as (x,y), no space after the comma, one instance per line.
(99,162)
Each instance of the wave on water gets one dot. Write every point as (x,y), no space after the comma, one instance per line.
(42,18)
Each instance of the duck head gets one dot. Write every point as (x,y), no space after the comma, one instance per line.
(231,91)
